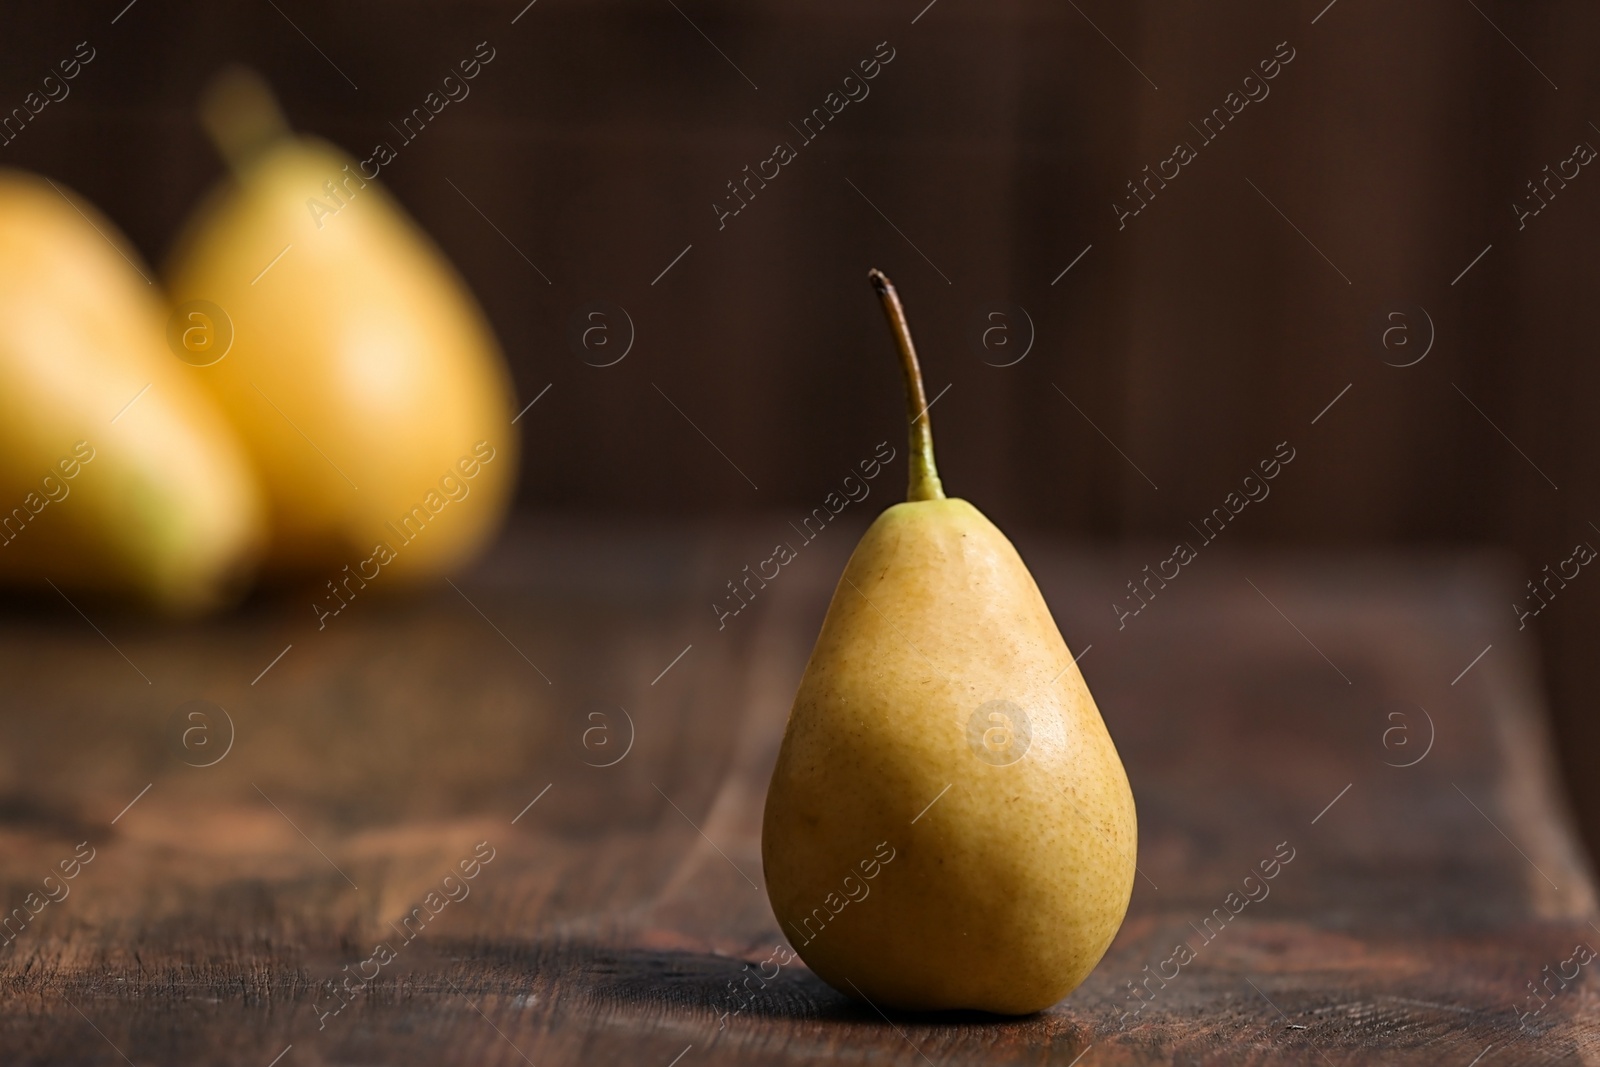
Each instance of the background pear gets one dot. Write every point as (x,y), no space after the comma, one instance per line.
(363,377)
(117,473)
(948,824)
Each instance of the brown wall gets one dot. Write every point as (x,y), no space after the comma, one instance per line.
(1196,338)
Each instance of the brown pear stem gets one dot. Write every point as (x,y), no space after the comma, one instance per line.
(241,116)
(924,481)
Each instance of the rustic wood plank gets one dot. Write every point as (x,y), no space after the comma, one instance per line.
(1255,701)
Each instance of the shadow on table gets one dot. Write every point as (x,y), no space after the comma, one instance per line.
(648,980)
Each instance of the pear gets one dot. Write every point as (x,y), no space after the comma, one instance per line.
(117,472)
(948,824)
(362,375)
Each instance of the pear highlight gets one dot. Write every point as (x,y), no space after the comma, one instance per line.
(942,722)
(364,378)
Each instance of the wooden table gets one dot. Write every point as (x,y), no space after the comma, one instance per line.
(572,711)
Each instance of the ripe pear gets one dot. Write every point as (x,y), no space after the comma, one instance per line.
(362,375)
(949,824)
(117,472)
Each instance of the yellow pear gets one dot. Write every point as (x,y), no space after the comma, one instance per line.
(949,824)
(117,473)
(361,374)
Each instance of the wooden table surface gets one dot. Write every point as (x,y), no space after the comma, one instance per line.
(570,725)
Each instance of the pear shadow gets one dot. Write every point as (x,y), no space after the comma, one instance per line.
(628,980)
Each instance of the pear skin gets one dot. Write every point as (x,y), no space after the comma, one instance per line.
(364,378)
(941,721)
(117,472)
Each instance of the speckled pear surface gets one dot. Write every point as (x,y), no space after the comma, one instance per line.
(1005,893)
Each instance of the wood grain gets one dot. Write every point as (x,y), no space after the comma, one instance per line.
(619,910)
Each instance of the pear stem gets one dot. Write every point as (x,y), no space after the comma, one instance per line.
(241,116)
(924,481)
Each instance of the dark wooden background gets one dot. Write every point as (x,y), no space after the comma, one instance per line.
(1195,339)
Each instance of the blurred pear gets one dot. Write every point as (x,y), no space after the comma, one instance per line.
(117,471)
(363,377)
